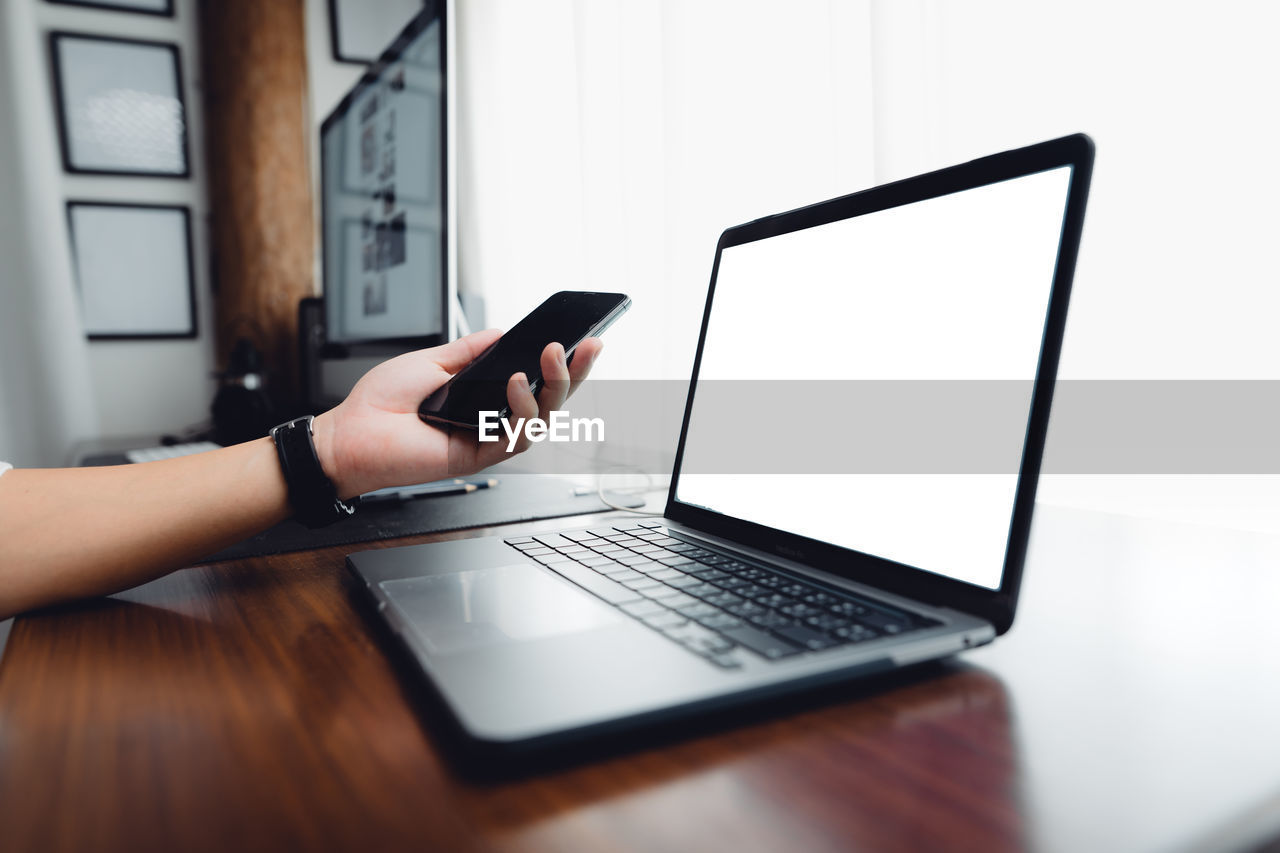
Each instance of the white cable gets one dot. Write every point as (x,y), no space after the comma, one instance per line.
(648,487)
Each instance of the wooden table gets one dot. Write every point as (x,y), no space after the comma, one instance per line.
(252,705)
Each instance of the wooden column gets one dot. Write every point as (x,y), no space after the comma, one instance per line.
(253,55)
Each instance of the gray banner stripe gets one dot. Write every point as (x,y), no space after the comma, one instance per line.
(928,427)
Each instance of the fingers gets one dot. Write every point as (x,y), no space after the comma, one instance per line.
(559,380)
(523,406)
(456,355)
(555,380)
(583,358)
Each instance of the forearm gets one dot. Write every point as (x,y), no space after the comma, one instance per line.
(71,533)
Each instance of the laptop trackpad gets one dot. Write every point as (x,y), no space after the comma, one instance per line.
(482,608)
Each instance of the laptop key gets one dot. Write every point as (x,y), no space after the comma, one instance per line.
(622,575)
(719,620)
(551,558)
(722,598)
(765,645)
(694,635)
(884,622)
(697,610)
(800,611)
(772,619)
(680,581)
(665,620)
(745,608)
(553,540)
(698,570)
(805,636)
(827,621)
(643,608)
(674,598)
(611,591)
(702,590)
(529,546)
(731,582)
(855,633)
(642,583)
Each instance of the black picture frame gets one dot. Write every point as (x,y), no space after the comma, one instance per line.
(344,53)
(118,6)
(187,327)
(70,164)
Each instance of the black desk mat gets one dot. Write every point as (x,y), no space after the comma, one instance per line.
(517,498)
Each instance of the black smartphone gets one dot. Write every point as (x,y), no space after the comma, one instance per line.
(568,318)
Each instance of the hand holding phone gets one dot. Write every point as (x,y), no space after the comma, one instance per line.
(568,318)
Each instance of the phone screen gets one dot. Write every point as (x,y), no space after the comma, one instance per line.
(567,318)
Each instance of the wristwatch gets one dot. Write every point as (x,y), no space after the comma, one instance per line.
(312,494)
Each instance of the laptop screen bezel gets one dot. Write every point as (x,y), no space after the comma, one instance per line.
(996,606)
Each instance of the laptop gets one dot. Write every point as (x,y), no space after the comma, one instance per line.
(852,490)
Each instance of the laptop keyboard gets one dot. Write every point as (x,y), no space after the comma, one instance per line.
(710,602)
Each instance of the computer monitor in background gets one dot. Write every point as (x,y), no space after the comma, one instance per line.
(386,190)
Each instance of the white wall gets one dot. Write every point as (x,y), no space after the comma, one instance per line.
(146,388)
(45,396)
(1177,275)
(607,145)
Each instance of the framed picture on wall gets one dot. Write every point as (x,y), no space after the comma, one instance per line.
(134,269)
(163,8)
(119,105)
(360,30)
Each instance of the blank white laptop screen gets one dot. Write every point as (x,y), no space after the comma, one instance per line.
(950,288)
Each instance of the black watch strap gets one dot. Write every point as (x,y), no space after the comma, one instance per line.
(312,494)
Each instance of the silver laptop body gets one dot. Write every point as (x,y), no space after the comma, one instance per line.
(853,488)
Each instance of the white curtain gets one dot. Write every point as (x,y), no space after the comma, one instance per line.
(45,395)
(1177,276)
(604,144)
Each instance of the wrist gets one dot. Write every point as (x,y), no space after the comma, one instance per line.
(313,495)
(324,433)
